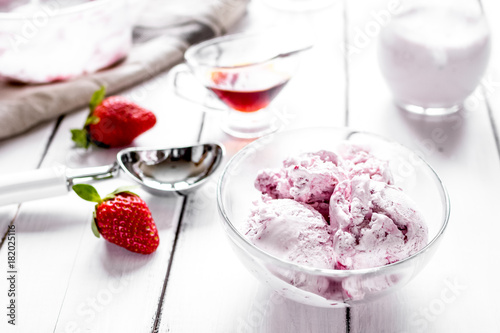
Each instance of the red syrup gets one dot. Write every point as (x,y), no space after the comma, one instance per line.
(243,100)
(248,101)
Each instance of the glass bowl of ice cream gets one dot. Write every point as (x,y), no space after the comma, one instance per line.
(43,41)
(331,217)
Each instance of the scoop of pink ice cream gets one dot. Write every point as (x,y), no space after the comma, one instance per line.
(374,224)
(309,178)
(358,160)
(292,231)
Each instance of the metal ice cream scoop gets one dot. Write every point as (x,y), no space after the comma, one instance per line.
(159,171)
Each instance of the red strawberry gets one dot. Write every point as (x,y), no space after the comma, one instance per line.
(112,122)
(122,218)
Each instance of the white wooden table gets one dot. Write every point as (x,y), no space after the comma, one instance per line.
(70,281)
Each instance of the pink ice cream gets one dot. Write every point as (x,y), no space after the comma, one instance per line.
(292,231)
(374,224)
(358,160)
(312,177)
(338,211)
(308,178)
(75,39)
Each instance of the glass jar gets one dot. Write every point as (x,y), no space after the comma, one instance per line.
(433,54)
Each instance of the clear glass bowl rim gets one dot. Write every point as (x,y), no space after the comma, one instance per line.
(243,241)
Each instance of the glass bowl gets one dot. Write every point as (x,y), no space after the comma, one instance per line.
(48,41)
(328,287)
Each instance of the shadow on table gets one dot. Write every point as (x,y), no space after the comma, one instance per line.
(271,312)
(91,157)
(387,314)
(117,261)
(437,134)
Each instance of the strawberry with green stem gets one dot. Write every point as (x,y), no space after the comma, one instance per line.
(122,218)
(112,122)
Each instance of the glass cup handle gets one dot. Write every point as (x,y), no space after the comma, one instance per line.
(187,87)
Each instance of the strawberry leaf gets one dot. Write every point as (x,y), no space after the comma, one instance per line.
(95,230)
(79,136)
(87,192)
(97,98)
(92,120)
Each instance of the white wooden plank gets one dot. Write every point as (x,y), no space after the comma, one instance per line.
(448,295)
(24,151)
(19,153)
(69,281)
(491,81)
(209,290)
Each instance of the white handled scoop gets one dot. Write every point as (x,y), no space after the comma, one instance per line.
(159,171)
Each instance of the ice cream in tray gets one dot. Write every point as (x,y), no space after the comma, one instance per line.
(47,41)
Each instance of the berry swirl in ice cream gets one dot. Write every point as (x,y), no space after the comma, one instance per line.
(335,210)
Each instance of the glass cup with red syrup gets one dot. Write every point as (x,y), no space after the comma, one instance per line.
(245,72)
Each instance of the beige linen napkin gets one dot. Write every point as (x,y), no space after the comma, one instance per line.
(163,32)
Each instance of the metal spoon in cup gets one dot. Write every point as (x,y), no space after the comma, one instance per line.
(159,171)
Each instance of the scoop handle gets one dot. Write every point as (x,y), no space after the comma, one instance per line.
(32,185)
(47,183)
